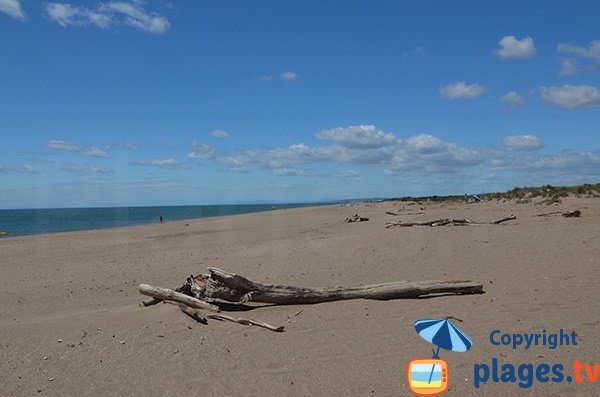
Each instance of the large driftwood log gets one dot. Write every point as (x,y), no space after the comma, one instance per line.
(224,286)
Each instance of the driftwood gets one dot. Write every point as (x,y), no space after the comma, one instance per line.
(172,295)
(220,285)
(449,222)
(245,321)
(194,314)
(408,213)
(572,214)
(356,218)
(566,214)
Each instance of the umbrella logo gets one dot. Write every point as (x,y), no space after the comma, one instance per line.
(429,377)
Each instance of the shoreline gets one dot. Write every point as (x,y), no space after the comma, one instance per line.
(155,220)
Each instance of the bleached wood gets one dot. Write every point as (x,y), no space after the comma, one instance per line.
(169,294)
(230,287)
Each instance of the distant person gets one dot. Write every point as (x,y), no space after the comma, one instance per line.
(161,219)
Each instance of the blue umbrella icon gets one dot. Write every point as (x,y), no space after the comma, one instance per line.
(442,333)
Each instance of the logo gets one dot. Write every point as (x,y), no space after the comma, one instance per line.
(430,376)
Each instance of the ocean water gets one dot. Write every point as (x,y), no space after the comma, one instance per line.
(24,222)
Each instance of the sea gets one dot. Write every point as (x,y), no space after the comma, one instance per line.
(25,222)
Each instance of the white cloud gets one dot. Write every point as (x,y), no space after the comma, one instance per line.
(513,99)
(571,164)
(289,76)
(347,174)
(358,136)
(568,67)
(12,8)
(461,90)
(361,145)
(592,51)
(74,148)
(168,163)
(86,169)
(571,96)
(425,143)
(217,133)
(389,172)
(68,15)
(135,16)
(513,48)
(28,169)
(523,143)
(108,14)
(202,151)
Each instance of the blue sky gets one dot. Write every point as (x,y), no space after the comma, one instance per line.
(194,102)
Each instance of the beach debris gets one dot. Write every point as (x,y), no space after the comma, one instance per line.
(172,295)
(572,214)
(408,213)
(245,321)
(449,222)
(221,287)
(356,218)
(566,214)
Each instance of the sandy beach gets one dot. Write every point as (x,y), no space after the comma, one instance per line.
(71,323)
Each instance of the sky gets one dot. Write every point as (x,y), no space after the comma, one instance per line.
(128,103)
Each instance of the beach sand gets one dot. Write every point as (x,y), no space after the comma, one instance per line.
(71,324)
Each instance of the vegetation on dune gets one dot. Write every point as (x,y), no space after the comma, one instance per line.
(548,194)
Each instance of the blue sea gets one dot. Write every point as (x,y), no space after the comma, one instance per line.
(24,222)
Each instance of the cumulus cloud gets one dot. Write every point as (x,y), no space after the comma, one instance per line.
(347,174)
(289,76)
(12,8)
(217,133)
(202,151)
(564,163)
(573,54)
(106,15)
(360,145)
(167,163)
(512,99)
(65,146)
(86,169)
(358,136)
(461,90)
(524,143)
(513,48)
(592,51)
(571,96)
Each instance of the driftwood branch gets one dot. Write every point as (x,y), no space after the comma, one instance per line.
(407,213)
(171,295)
(230,287)
(449,222)
(245,321)
(194,314)
(566,214)
(572,214)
